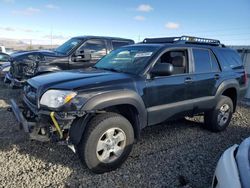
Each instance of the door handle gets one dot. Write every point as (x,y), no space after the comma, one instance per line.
(217,76)
(188,80)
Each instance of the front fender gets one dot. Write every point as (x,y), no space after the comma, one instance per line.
(105,100)
(113,98)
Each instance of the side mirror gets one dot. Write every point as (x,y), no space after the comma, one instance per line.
(162,69)
(82,55)
(4,57)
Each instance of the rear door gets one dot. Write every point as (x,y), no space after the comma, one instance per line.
(97,48)
(206,75)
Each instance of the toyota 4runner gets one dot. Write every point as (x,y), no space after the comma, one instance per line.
(101,111)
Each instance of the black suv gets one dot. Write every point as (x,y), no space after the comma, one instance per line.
(76,53)
(101,111)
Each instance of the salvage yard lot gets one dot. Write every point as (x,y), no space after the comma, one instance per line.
(169,155)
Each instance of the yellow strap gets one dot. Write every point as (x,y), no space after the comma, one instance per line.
(52,115)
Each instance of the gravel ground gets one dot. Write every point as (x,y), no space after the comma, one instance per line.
(178,154)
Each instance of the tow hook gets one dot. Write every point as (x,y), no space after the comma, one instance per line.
(52,115)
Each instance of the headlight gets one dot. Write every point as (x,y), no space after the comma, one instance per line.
(56,98)
(5,69)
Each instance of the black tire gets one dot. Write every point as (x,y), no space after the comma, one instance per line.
(87,148)
(211,118)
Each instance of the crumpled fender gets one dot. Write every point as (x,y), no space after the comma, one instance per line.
(104,100)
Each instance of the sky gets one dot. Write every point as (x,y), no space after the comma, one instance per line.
(38,20)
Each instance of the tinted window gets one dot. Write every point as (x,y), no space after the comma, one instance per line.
(202,60)
(118,44)
(97,48)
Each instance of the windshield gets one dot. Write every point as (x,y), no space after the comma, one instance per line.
(68,46)
(132,59)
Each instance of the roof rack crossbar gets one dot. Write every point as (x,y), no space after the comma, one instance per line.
(161,40)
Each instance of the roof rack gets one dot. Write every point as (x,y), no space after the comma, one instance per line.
(184,40)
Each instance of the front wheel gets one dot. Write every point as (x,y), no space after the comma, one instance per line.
(106,143)
(219,118)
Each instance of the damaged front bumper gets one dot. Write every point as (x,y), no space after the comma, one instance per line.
(46,128)
(13,81)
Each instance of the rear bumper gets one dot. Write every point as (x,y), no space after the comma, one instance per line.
(13,81)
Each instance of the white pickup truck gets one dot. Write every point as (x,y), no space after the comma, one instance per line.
(5,50)
(2,49)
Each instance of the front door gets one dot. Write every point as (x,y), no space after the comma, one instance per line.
(167,95)
(97,49)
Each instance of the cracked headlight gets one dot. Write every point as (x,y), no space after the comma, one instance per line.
(56,98)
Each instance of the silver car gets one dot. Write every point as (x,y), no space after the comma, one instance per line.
(233,168)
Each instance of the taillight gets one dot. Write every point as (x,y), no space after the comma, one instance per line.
(245,77)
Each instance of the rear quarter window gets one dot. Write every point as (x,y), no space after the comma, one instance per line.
(228,58)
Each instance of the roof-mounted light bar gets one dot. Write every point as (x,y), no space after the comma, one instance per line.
(199,40)
(183,40)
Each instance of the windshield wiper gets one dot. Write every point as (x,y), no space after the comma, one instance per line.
(109,69)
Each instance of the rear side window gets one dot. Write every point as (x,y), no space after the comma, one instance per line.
(118,44)
(201,60)
(204,61)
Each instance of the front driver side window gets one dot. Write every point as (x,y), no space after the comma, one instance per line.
(179,60)
(97,48)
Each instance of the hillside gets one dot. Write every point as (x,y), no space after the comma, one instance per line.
(16,44)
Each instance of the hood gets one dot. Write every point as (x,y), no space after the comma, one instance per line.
(81,80)
(45,53)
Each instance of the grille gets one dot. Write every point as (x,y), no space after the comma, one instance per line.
(16,70)
(23,69)
(30,94)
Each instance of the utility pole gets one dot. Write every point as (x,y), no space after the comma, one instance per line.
(30,44)
(51,36)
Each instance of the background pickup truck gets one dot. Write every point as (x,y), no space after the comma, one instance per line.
(76,53)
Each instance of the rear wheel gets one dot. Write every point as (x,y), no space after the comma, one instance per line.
(106,143)
(219,118)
